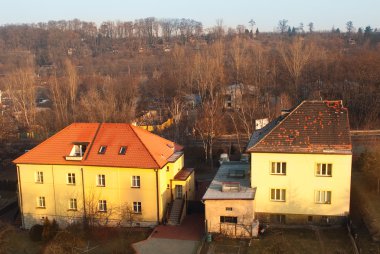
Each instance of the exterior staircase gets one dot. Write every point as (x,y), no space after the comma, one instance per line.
(175,212)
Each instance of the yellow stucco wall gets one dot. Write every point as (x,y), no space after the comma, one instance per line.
(301,183)
(242,209)
(118,191)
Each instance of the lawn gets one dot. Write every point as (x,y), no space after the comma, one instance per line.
(105,240)
(287,240)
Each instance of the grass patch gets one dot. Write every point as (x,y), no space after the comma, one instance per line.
(101,240)
(16,241)
(287,240)
(336,240)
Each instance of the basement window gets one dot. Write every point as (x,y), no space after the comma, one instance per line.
(102,149)
(123,150)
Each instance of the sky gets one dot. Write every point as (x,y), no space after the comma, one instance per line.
(266,13)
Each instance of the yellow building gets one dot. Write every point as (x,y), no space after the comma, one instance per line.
(104,173)
(300,172)
(229,201)
(301,165)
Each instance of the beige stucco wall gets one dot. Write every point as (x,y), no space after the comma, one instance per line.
(301,183)
(242,209)
(118,191)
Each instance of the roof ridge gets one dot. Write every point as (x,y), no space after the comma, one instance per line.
(275,127)
(130,126)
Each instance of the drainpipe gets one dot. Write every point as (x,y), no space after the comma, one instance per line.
(157,197)
(20,197)
(84,201)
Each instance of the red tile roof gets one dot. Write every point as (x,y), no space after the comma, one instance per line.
(311,127)
(144,149)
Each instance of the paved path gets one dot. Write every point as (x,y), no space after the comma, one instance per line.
(174,239)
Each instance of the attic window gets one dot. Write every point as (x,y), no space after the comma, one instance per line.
(102,149)
(123,150)
(77,152)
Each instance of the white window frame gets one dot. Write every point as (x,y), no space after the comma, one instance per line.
(101,180)
(324,169)
(279,195)
(73,204)
(123,150)
(41,202)
(137,208)
(322,197)
(136,183)
(71,178)
(39,178)
(102,150)
(102,205)
(278,168)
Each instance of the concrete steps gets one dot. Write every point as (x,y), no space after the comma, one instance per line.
(175,212)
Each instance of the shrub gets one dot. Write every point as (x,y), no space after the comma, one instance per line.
(49,229)
(35,232)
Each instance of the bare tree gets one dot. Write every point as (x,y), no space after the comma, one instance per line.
(72,82)
(21,87)
(296,56)
(311,27)
(350,27)
(283,25)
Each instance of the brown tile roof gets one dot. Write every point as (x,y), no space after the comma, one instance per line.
(143,149)
(183,174)
(311,127)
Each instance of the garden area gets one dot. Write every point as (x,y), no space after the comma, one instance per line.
(286,240)
(70,240)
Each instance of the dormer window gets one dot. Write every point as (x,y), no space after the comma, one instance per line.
(102,149)
(123,150)
(77,152)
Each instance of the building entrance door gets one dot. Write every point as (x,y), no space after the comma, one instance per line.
(178,191)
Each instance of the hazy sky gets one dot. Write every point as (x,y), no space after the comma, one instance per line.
(323,13)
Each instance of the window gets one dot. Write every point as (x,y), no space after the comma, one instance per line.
(41,202)
(135,181)
(137,207)
(123,150)
(324,169)
(277,218)
(101,180)
(278,195)
(78,150)
(228,208)
(167,168)
(228,219)
(71,178)
(323,197)
(278,168)
(167,186)
(73,204)
(102,206)
(102,149)
(39,177)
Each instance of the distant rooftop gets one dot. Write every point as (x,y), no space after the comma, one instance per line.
(232,181)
